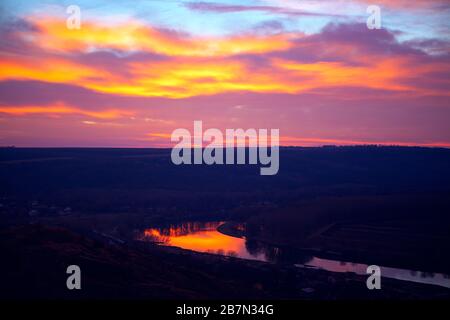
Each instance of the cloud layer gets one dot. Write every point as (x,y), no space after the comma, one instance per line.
(133,82)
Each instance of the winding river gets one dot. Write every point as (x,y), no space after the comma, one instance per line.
(204,237)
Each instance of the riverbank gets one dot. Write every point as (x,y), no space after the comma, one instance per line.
(232,229)
(36,258)
(329,261)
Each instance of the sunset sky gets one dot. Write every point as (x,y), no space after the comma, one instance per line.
(137,70)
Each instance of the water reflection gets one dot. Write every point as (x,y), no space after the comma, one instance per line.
(204,237)
(387,272)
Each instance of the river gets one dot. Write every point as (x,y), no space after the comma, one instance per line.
(204,237)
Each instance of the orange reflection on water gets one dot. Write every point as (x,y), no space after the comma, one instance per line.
(198,236)
(204,237)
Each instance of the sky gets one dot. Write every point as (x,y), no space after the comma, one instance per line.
(137,70)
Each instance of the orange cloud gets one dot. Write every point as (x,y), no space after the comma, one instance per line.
(133,36)
(190,77)
(386,73)
(61,109)
(45,69)
(187,77)
(202,66)
(382,74)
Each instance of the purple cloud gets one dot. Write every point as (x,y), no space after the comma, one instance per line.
(226,8)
